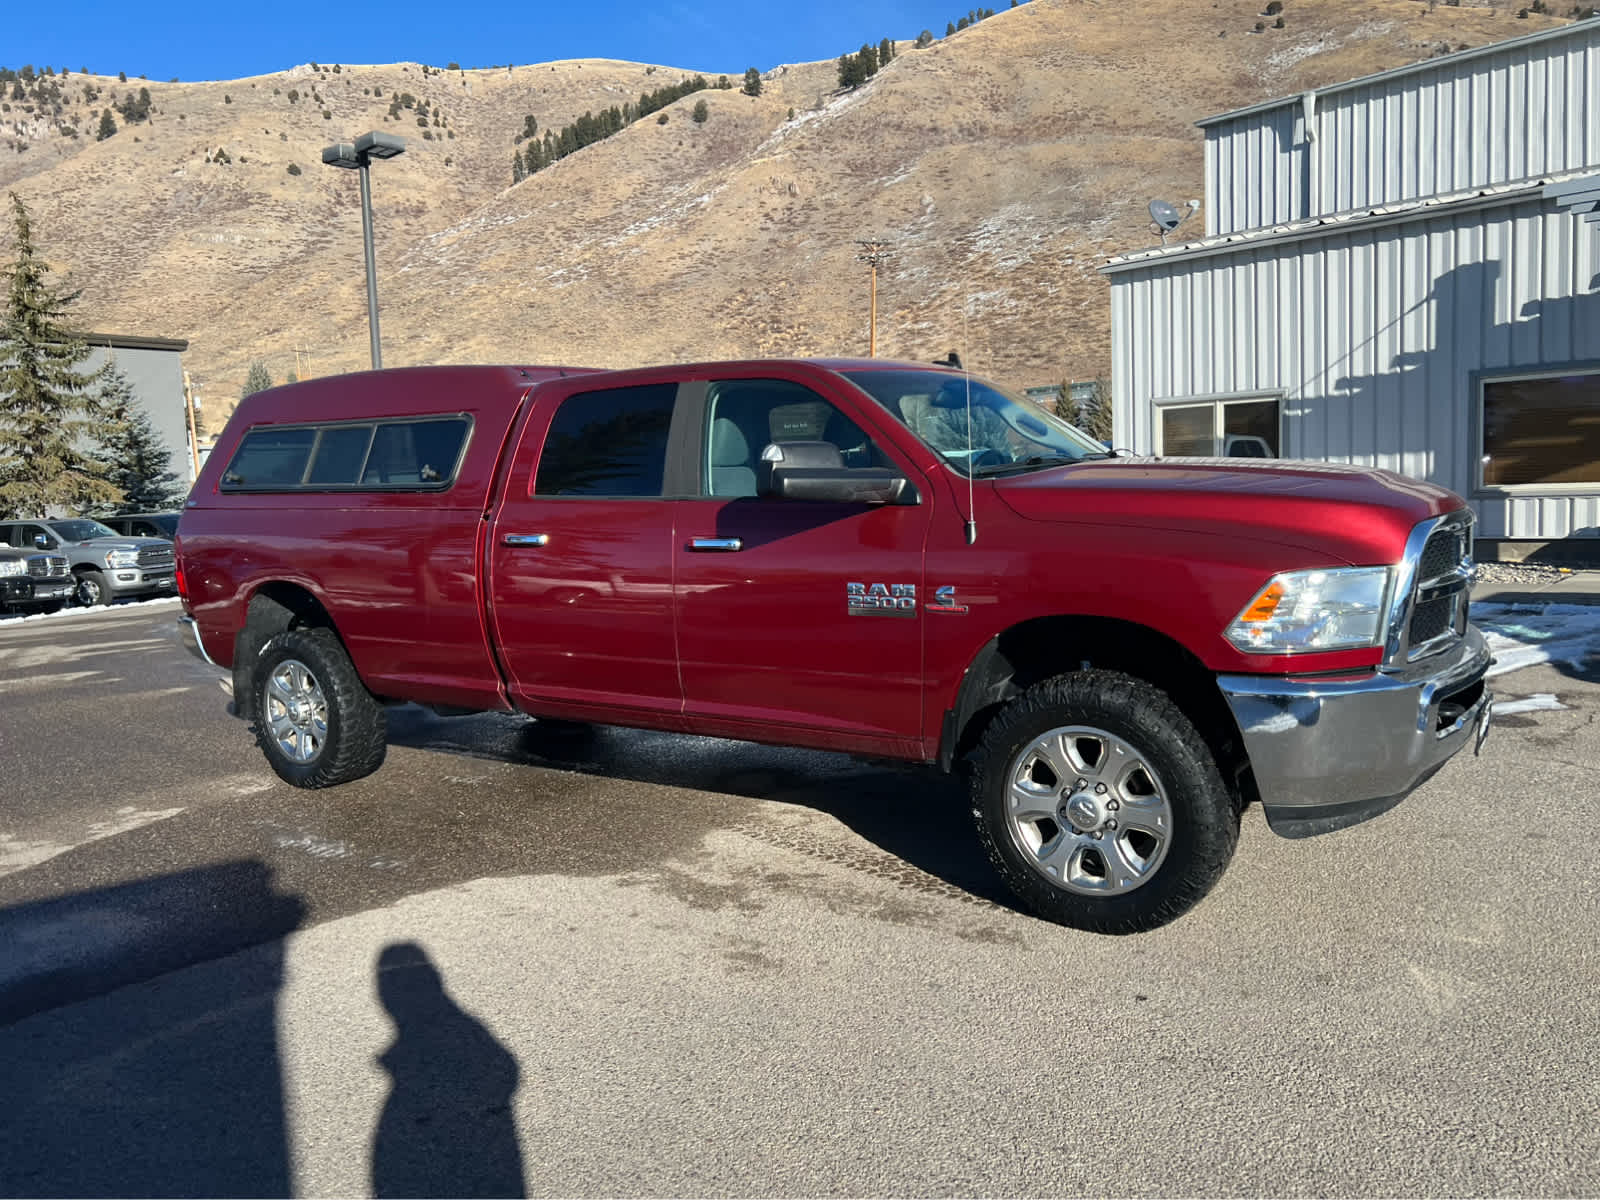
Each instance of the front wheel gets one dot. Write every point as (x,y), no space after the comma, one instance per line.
(1100,804)
(315,720)
(93,589)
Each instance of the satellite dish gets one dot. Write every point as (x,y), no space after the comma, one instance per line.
(1164,218)
(1164,215)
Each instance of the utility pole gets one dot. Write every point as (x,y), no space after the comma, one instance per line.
(189,401)
(874,252)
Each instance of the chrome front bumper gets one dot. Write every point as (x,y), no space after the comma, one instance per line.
(1330,752)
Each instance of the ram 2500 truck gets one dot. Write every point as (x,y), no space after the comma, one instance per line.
(888,559)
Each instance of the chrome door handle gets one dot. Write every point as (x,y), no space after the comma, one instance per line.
(526,539)
(727,545)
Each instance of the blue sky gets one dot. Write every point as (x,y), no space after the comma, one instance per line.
(227,39)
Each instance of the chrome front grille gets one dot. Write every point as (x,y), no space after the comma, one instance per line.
(1429,612)
(152,557)
(46,566)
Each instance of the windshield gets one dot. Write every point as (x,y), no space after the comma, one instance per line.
(1008,433)
(81,531)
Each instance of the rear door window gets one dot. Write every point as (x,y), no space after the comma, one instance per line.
(611,442)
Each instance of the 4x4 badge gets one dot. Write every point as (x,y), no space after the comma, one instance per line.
(944,600)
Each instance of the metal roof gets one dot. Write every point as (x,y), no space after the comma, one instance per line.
(128,341)
(1364,218)
(1444,61)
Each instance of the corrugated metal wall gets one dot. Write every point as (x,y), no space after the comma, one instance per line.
(1525,112)
(1373,338)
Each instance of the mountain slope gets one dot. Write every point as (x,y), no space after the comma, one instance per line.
(1002,165)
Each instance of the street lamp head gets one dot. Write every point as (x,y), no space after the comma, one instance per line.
(342,154)
(380,145)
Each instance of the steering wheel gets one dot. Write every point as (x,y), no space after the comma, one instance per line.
(987,457)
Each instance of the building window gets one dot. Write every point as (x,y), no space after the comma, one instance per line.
(1541,431)
(1240,428)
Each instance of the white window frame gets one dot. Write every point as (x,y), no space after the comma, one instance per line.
(1216,400)
(1480,381)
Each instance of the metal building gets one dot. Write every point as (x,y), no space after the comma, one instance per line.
(1384,281)
(154,370)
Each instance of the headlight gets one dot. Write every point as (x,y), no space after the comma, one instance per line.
(122,558)
(13,567)
(1301,611)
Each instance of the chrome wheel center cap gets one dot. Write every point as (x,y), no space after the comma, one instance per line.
(1084,813)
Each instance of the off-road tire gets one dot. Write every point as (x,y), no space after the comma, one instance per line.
(357,732)
(1204,821)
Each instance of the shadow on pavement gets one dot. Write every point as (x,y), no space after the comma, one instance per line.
(913,813)
(168,1088)
(448,1128)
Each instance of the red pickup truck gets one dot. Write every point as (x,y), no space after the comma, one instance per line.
(893,560)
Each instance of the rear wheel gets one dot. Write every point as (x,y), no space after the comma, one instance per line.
(315,720)
(1101,805)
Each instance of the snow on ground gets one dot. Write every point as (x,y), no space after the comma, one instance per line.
(1525,635)
(67,614)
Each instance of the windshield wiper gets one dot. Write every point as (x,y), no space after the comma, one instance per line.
(1028,464)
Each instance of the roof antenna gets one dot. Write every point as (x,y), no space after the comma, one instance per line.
(966,341)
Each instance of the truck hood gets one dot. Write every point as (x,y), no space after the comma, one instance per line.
(121,543)
(1356,514)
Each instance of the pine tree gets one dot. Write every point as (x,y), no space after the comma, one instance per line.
(108,125)
(46,406)
(701,112)
(1095,412)
(752,82)
(139,460)
(256,379)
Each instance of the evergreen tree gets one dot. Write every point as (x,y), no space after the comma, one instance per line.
(885,52)
(1094,415)
(752,82)
(139,460)
(108,125)
(256,379)
(45,403)
(924,40)
(701,112)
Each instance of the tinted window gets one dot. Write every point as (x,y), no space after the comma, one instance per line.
(398,454)
(608,443)
(340,455)
(270,458)
(421,453)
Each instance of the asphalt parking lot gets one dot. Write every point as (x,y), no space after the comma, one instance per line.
(602,963)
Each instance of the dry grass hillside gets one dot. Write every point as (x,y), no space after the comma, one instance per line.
(1002,164)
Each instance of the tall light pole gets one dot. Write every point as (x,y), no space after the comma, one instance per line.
(358,157)
(875,253)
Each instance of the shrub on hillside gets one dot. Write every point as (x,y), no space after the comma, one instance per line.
(701,112)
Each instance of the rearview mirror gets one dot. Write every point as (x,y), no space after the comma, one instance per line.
(816,471)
